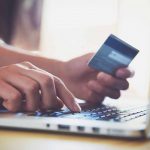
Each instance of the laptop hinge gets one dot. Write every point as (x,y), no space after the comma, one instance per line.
(147,131)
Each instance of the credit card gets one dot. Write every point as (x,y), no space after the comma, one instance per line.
(113,54)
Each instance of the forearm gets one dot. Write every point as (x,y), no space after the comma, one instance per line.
(10,55)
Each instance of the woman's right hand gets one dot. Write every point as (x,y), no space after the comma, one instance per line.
(25,87)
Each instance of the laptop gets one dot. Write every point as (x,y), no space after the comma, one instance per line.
(108,119)
(117,118)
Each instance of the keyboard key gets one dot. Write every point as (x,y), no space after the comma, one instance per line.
(97,113)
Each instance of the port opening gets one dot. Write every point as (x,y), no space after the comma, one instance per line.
(63,127)
(47,125)
(95,130)
(80,128)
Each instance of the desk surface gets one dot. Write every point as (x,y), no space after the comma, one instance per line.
(27,140)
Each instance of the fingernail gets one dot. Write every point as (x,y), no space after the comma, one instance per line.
(77,107)
(132,73)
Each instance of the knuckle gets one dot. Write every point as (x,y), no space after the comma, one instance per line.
(47,81)
(32,87)
(58,80)
(106,79)
(27,63)
(101,76)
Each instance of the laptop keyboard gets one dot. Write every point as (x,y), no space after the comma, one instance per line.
(103,112)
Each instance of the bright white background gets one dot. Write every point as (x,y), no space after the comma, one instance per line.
(74,27)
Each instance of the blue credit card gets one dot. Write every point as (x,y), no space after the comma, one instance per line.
(113,54)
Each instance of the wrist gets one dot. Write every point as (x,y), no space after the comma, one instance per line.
(55,67)
(59,69)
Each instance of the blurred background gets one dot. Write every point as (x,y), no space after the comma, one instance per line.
(64,29)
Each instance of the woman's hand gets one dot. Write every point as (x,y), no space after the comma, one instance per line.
(91,85)
(25,87)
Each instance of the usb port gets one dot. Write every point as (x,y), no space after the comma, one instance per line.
(47,125)
(80,128)
(95,130)
(63,127)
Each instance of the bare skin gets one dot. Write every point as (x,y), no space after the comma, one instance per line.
(92,85)
(25,87)
(43,87)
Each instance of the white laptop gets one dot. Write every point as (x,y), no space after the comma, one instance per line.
(112,118)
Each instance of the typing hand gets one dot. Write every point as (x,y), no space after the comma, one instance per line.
(25,87)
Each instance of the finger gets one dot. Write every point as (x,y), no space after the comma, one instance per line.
(101,90)
(94,97)
(124,73)
(48,92)
(49,97)
(11,97)
(26,65)
(112,82)
(60,103)
(66,96)
(29,88)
